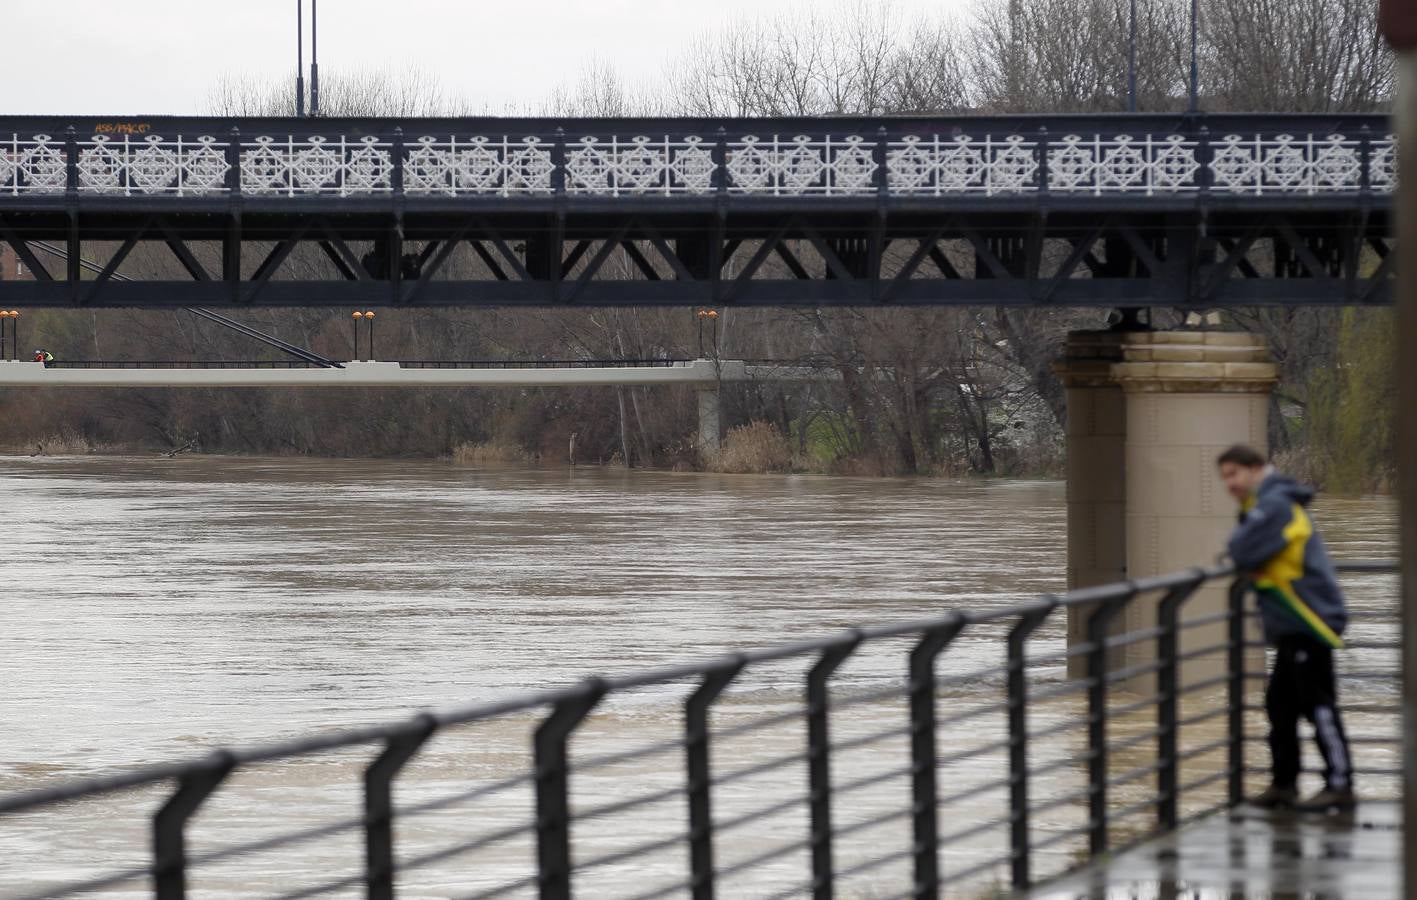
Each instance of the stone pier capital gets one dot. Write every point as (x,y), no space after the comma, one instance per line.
(1195,362)
(1088,357)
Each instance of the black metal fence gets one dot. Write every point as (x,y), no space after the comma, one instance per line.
(1149,732)
(184,364)
(406,364)
(543,363)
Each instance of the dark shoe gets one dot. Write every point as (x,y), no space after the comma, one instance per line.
(1276,797)
(1329,800)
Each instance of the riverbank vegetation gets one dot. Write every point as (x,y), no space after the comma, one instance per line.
(918,391)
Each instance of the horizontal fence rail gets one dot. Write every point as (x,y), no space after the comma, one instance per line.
(1115,156)
(407,364)
(1158,741)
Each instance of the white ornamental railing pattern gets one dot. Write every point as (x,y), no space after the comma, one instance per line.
(316,165)
(801,165)
(1123,164)
(33,165)
(152,165)
(746,165)
(1286,163)
(642,165)
(478,166)
(962,165)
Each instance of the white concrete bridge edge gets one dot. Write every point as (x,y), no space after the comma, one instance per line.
(699,372)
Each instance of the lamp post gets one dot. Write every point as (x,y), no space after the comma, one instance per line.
(314,58)
(1195,68)
(369,317)
(14,334)
(357,317)
(3,316)
(300,58)
(1132,61)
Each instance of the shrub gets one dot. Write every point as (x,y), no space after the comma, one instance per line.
(494,452)
(755,448)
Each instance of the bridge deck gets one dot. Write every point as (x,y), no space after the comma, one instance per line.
(1251,853)
(1203,210)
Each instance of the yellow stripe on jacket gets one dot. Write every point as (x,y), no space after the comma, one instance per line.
(1276,579)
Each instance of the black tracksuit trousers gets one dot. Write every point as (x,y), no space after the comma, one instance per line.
(1302,684)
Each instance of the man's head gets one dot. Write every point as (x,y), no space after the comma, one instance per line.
(1242,468)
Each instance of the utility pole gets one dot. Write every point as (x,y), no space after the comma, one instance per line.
(1195,67)
(1131,62)
(300,58)
(315,57)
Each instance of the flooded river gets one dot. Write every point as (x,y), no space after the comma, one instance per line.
(156,608)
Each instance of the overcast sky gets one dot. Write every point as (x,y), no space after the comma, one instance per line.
(162,56)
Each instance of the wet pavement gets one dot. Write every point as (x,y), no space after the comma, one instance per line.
(1250,853)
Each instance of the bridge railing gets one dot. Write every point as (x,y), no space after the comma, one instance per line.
(1116,156)
(1001,775)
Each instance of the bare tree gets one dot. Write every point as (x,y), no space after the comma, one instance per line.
(1295,56)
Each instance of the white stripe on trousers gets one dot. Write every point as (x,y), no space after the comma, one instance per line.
(1326,730)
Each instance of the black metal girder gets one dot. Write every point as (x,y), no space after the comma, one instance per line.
(1065,234)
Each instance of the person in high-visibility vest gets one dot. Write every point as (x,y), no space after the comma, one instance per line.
(1301,607)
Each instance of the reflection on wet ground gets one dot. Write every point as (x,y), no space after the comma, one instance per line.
(1251,854)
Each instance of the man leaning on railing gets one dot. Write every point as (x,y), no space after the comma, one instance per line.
(1301,607)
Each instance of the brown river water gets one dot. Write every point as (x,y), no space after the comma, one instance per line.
(156,608)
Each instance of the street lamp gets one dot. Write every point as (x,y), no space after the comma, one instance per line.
(364,316)
(300,58)
(314,58)
(711,315)
(1132,62)
(14,316)
(1195,68)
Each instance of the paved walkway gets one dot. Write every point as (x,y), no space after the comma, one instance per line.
(1251,853)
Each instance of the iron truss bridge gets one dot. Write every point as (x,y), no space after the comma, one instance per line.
(1117,211)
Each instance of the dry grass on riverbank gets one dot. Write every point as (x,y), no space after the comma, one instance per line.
(494,452)
(757,448)
(61,444)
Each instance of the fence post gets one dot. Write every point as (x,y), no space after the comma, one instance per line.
(379,806)
(170,822)
(395,236)
(924,787)
(696,750)
(1238,589)
(1097,664)
(1043,174)
(73,248)
(819,761)
(231,240)
(553,808)
(1167,614)
(1018,742)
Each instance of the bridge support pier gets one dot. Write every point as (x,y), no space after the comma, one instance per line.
(710,419)
(1185,397)
(1096,489)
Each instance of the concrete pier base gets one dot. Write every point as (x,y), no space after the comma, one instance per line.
(1189,396)
(1148,414)
(1096,488)
(710,420)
